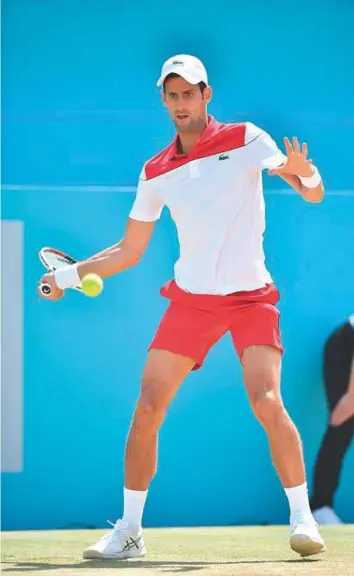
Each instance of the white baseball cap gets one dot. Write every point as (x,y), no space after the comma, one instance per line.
(189,67)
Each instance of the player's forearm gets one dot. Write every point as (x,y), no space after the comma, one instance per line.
(110,262)
(313,195)
(309,194)
(107,250)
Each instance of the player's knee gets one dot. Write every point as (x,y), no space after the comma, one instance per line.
(150,410)
(267,406)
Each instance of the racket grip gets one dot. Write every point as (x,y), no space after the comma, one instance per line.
(46,289)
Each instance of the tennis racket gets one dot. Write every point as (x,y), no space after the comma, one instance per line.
(52,260)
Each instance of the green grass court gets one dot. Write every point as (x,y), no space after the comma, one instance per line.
(200,551)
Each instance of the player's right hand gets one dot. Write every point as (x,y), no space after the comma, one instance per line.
(55,292)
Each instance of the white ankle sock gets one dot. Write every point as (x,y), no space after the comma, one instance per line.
(298,499)
(134,502)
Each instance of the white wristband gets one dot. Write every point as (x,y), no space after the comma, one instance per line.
(311,181)
(67,277)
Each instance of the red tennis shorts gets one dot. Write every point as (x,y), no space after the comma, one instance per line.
(193,323)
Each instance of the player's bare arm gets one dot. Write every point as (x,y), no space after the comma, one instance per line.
(107,250)
(126,254)
(298,168)
(117,258)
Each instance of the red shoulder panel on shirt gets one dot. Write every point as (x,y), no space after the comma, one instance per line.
(214,140)
(160,163)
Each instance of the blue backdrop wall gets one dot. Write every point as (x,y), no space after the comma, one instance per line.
(81,113)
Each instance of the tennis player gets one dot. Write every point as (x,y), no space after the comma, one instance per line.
(210,178)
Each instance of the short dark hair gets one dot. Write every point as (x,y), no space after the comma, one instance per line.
(201,85)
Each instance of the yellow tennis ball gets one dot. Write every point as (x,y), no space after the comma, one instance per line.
(92,285)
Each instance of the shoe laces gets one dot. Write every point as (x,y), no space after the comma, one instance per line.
(116,531)
(299,517)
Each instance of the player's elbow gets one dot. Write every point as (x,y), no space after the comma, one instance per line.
(132,257)
(135,259)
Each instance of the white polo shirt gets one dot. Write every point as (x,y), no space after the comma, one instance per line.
(215,197)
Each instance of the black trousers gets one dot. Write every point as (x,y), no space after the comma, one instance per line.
(338,357)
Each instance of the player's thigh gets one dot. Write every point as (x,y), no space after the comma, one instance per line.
(261,372)
(256,324)
(163,374)
(189,331)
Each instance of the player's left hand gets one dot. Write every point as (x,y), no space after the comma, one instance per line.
(297,162)
(55,292)
(343,410)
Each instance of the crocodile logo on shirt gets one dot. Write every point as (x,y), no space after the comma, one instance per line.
(224,157)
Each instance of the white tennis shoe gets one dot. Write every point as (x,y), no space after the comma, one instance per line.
(326,516)
(121,542)
(305,538)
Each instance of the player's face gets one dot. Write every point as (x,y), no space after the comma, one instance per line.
(185,103)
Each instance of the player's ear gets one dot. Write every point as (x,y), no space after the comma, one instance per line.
(163,97)
(208,93)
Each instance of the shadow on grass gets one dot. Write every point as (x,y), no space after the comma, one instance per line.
(173,566)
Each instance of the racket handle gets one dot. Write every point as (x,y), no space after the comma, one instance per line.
(46,289)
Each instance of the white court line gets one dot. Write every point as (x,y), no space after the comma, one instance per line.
(131,189)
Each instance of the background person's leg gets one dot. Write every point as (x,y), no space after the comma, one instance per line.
(338,356)
(329,462)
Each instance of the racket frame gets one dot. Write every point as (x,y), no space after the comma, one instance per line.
(46,288)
